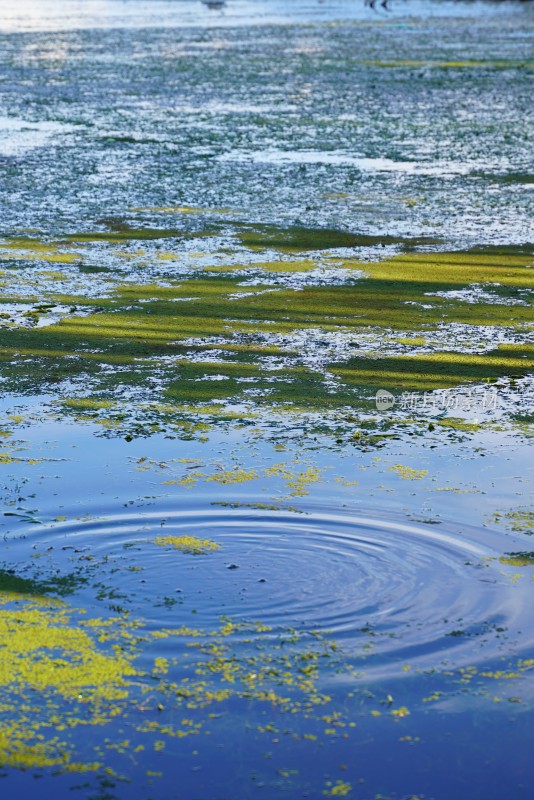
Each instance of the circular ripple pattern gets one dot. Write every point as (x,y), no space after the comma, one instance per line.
(386,588)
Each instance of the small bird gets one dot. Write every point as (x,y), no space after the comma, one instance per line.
(372,3)
(214,4)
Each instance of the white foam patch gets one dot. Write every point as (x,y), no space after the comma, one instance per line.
(17,136)
(332,158)
(28,316)
(477,294)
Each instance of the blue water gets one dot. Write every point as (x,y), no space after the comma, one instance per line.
(418,634)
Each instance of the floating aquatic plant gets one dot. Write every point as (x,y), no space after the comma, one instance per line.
(188,544)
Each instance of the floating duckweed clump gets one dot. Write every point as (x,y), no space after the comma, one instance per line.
(76,670)
(520,520)
(408,473)
(37,637)
(298,482)
(20,747)
(235,475)
(339,789)
(522,559)
(188,544)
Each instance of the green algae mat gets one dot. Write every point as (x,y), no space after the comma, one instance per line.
(422,321)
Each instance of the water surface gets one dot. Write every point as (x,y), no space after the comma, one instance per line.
(227,572)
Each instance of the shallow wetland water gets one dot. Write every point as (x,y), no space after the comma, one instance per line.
(230,569)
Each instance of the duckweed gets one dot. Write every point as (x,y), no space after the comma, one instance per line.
(235,475)
(188,544)
(339,789)
(520,520)
(408,473)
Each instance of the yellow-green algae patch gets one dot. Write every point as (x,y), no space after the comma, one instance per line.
(184,210)
(337,789)
(31,249)
(408,473)
(188,544)
(20,747)
(44,650)
(458,424)
(437,370)
(239,666)
(216,346)
(87,403)
(73,670)
(235,475)
(7,458)
(298,481)
(456,268)
(522,559)
(519,519)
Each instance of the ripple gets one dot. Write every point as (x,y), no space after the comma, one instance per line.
(388,590)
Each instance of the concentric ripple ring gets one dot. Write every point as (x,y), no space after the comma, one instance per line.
(398,590)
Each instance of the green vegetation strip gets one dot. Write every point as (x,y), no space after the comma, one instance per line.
(207,337)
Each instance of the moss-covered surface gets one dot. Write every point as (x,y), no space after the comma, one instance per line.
(211,336)
(297,239)
(438,371)
(58,584)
